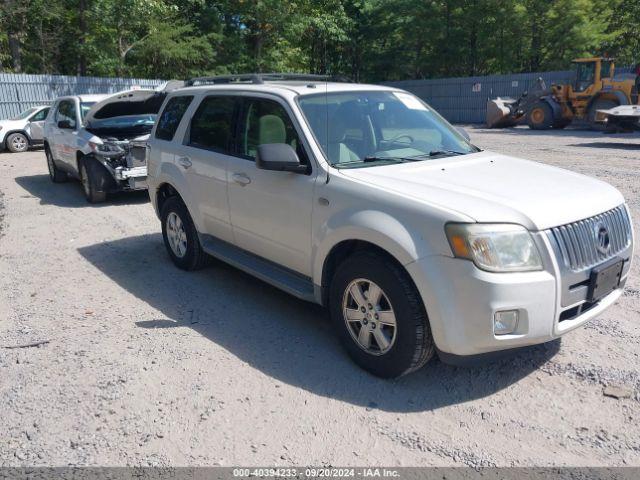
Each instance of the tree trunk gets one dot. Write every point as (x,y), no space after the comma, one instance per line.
(16,54)
(82,25)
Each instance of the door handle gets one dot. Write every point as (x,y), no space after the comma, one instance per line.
(241,179)
(185,162)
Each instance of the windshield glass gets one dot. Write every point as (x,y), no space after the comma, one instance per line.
(25,114)
(357,129)
(84,108)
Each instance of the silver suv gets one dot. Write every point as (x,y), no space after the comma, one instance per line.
(362,198)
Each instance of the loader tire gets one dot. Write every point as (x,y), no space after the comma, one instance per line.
(600,104)
(540,116)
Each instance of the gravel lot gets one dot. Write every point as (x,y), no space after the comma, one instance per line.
(149,365)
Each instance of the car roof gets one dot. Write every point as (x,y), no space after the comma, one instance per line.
(288,88)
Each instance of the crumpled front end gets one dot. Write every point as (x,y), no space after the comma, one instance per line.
(125,160)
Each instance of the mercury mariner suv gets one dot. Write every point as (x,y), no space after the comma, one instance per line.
(363,199)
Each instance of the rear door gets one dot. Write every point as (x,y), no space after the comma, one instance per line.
(203,160)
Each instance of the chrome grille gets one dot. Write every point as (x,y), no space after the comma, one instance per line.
(578,241)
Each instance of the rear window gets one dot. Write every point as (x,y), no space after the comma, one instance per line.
(171,116)
(213,123)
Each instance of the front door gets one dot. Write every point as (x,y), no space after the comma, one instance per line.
(35,127)
(270,211)
(65,137)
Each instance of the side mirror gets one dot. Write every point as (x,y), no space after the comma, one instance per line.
(279,157)
(464,133)
(65,124)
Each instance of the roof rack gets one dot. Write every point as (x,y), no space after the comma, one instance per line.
(259,78)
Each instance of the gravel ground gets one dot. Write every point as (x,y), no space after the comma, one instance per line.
(149,365)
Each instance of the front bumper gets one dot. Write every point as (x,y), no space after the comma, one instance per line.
(461,301)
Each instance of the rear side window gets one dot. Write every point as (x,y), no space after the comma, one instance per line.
(171,116)
(212,125)
(67,112)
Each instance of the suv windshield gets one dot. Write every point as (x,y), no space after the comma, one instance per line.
(357,129)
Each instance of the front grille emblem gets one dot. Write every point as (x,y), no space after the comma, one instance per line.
(603,242)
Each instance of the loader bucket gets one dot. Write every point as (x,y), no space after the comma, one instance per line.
(500,113)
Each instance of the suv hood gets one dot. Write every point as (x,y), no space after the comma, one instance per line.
(489,187)
(130,102)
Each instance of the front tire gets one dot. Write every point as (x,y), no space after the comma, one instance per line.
(379,316)
(17,143)
(181,237)
(540,117)
(55,174)
(91,177)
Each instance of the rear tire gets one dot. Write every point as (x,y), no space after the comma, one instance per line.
(55,174)
(386,330)
(600,104)
(181,237)
(540,117)
(17,143)
(92,177)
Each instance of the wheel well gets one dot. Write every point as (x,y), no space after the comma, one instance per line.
(164,192)
(339,253)
(8,134)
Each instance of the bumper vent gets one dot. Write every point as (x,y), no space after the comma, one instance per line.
(588,242)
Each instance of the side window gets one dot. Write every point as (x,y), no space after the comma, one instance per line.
(67,111)
(41,115)
(171,116)
(213,124)
(266,121)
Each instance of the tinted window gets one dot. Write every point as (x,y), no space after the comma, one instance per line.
(67,111)
(266,121)
(213,123)
(171,116)
(84,108)
(41,115)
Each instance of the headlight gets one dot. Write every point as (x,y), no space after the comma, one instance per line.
(494,247)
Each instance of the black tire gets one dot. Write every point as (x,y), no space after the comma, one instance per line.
(55,174)
(540,116)
(413,345)
(194,258)
(94,179)
(17,143)
(600,104)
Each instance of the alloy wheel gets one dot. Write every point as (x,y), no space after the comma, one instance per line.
(19,143)
(369,316)
(176,235)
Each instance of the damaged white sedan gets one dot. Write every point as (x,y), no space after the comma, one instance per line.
(101,140)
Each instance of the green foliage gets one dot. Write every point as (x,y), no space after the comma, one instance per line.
(369,40)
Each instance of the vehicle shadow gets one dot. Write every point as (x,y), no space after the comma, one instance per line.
(612,145)
(285,338)
(70,195)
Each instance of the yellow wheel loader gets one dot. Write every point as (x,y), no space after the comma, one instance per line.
(594,88)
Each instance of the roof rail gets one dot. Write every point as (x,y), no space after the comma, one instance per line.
(259,78)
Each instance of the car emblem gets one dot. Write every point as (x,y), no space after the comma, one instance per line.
(603,241)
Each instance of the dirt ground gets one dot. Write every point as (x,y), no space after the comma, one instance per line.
(149,365)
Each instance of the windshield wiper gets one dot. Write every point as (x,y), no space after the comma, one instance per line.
(372,159)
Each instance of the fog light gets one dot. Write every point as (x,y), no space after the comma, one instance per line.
(505,322)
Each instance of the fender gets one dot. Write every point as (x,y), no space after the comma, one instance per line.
(170,174)
(555,107)
(376,227)
(620,97)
